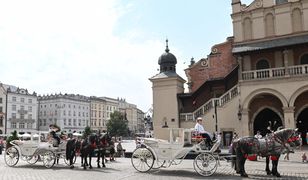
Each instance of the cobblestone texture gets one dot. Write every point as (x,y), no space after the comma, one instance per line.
(122,169)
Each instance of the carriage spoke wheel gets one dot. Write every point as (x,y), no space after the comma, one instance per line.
(158,163)
(49,159)
(11,156)
(142,159)
(205,164)
(32,159)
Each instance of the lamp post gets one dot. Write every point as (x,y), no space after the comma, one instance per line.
(216,122)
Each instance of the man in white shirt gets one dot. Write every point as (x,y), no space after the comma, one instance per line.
(200,129)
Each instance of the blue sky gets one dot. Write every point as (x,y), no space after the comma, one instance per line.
(104,48)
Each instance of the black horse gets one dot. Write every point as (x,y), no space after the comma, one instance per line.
(103,142)
(273,145)
(71,148)
(88,145)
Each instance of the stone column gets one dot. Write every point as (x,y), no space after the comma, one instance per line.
(240,67)
(288,115)
(245,127)
(286,61)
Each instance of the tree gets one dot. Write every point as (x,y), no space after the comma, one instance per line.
(117,125)
(87,131)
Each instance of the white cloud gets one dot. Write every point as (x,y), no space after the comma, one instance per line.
(70,47)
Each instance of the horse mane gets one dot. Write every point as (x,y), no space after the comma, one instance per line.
(284,134)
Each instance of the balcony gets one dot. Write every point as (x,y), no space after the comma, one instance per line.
(275,73)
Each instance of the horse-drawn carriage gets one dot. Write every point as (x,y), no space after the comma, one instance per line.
(32,150)
(156,153)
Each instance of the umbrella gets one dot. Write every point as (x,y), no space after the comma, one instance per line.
(77,134)
(36,135)
(25,135)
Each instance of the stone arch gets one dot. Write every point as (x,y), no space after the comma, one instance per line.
(273,92)
(296,94)
(297,23)
(266,107)
(262,64)
(269,24)
(299,111)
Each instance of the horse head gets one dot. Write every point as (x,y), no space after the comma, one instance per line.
(288,136)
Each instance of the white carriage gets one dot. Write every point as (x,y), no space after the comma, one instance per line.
(156,153)
(32,150)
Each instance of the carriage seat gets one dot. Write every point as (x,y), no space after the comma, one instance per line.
(196,137)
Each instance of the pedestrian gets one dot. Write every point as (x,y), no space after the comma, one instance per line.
(304,157)
(112,149)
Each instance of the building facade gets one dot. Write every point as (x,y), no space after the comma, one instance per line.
(257,78)
(21,110)
(2,108)
(98,113)
(69,111)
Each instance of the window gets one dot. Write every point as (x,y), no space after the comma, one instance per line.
(69,122)
(297,20)
(29,101)
(44,122)
(22,100)
(29,116)
(269,25)
(1,109)
(262,64)
(14,99)
(0,100)
(1,121)
(21,125)
(13,125)
(64,112)
(64,122)
(40,122)
(30,108)
(56,112)
(304,59)
(79,122)
(22,116)
(281,1)
(22,107)
(247,27)
(74,122)
(29,125)
(13,115)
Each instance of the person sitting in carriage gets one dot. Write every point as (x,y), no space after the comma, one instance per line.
(206,135)
(53,129)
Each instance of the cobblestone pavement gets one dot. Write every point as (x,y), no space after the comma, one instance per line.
(122,169)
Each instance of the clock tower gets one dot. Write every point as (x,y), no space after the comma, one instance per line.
(166,85)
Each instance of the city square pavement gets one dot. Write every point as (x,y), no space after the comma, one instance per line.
(122,169)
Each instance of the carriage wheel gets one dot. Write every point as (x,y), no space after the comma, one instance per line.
(158,163)
(205,164)
(32,159)
(49,159)
(142,159)
(11,156)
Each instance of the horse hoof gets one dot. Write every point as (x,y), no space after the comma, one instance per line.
(268,172)
(98,166)
(90,167)
(277,174)
(104,165)
(244,175)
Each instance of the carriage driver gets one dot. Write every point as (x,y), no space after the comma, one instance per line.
(200,129)
(52,131)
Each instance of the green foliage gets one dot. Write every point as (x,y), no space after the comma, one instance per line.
(117,125)
(87,132)
(14,136)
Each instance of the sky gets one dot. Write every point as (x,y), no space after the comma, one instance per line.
(104,47)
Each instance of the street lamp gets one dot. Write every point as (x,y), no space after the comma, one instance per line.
(239,113)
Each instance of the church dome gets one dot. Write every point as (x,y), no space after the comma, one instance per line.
(167,61)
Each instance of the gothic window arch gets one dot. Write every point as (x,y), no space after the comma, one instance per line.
(297,20)
(262,64)
(247,28)
(304,59)
(269,25)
